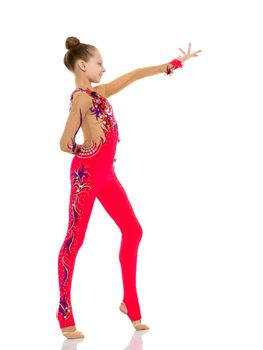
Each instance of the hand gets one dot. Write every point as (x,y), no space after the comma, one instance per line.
(188,55)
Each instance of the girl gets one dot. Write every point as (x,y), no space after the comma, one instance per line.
(92,174)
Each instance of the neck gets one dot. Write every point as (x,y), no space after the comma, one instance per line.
(82,83)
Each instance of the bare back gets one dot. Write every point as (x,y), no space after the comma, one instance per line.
(91,132)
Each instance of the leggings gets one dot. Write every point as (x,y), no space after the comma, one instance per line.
(90,178)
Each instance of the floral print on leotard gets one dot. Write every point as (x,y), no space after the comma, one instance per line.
(103,121)
(81,182)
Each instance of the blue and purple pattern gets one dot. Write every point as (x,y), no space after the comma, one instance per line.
(81,181)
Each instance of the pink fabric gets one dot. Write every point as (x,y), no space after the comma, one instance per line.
(94,177)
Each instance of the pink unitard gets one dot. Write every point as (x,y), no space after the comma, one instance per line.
(92,176)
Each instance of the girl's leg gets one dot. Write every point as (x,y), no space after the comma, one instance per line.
(115,201)
(82,198)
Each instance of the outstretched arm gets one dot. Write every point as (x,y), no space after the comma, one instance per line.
(121,82)
(126,79)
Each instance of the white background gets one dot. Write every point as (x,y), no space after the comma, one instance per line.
(190,160)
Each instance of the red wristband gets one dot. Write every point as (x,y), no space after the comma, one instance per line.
(176,64)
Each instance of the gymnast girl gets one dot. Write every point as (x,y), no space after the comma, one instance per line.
(92,173)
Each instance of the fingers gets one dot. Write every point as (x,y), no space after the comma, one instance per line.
(189,49)
(193,54)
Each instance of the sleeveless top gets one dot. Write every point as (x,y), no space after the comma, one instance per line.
(107,126)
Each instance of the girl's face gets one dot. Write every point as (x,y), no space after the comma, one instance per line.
(95,67)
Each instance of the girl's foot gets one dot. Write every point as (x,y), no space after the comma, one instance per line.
(136,324)
(71,332)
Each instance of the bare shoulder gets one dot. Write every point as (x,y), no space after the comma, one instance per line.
(81,100)
(81,96)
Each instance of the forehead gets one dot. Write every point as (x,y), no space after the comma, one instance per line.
(98,55)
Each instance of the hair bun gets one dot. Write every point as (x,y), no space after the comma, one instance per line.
(71,42)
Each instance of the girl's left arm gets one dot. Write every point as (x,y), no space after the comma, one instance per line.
(116,85)
(121,82)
